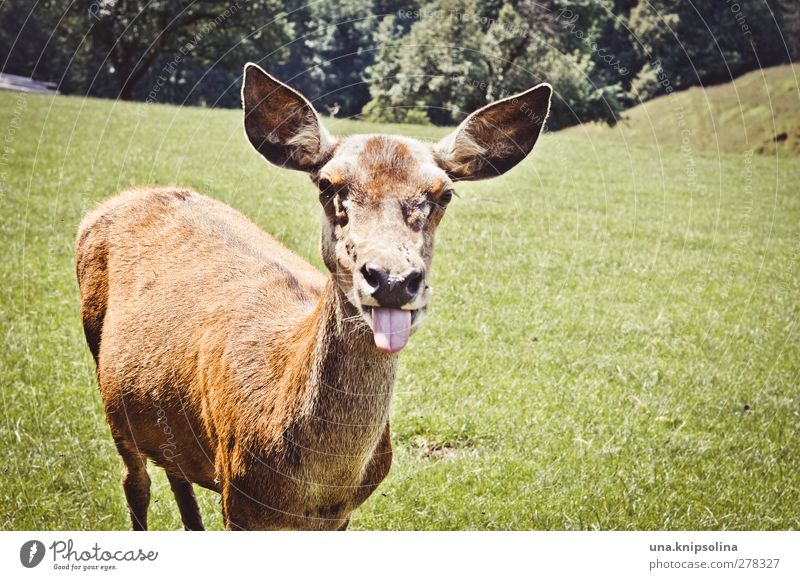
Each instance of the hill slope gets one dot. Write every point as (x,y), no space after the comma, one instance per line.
(757,112)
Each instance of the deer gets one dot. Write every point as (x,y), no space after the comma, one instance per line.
(232,363)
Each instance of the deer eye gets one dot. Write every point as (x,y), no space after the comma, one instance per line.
(442,200)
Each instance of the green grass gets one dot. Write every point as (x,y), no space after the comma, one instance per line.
(612,344)
(744,115)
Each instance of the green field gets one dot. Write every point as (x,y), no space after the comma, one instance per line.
(613,342)
(759,111)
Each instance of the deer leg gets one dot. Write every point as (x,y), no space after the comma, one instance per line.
(187,503)
(231,524)
(136,485)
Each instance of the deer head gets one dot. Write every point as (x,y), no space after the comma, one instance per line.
(384,196)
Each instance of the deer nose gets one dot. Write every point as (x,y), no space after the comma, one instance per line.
(392,291)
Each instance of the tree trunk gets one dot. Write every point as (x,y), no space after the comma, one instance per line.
(126,91)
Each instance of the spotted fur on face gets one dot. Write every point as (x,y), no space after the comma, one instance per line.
(383,199)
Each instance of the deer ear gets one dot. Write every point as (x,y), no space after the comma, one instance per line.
(495,138)
(281,124)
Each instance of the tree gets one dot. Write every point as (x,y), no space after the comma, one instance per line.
(108,47)
(460,55)
(705,42)
(425,67)
(407,61)
(338,44)
(31,42)
(134,34)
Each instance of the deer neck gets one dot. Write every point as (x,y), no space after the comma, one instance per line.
(350,382)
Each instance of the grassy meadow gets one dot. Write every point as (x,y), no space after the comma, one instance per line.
(613,341)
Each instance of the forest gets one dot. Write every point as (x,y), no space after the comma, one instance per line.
(388,61)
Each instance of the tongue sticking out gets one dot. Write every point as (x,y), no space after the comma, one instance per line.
(391,327)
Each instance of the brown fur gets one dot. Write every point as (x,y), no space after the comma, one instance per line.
(232,363)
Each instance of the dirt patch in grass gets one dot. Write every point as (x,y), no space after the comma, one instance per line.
(425,448)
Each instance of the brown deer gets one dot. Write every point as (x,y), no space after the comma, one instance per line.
(231,362)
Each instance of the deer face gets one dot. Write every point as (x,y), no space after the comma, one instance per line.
(383,196)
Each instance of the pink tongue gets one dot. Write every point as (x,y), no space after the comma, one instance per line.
(391,327)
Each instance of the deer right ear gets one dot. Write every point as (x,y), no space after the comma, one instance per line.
(281,124)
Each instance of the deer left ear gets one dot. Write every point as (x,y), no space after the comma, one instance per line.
(281,124)
(495,138)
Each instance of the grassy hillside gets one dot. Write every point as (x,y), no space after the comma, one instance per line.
(759,112)
(612,343)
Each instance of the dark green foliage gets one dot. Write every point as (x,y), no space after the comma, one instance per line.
(157,51)
(419,61)
(706,43)
(459,55)
(337,48)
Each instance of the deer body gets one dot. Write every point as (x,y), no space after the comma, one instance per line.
(268,343)
(231,362)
